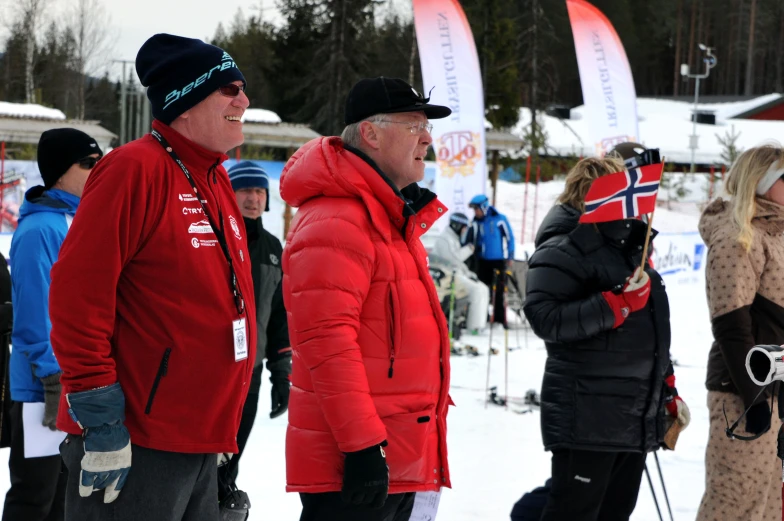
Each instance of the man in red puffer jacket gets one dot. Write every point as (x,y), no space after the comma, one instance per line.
(370,376)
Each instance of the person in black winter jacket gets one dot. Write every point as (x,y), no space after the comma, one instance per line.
(608,384)
(251,185)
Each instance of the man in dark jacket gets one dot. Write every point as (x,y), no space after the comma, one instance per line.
(251,186)
(608,378)
(6,322)
(66,157)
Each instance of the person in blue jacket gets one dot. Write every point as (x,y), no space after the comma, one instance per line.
(494,249)
(65,158)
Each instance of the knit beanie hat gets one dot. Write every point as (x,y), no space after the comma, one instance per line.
(180,72)
(247,174)
(59,149)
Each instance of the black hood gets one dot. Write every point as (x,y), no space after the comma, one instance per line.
(560,220)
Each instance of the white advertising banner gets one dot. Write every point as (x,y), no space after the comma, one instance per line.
(451,77)
(680,258)
(608,87)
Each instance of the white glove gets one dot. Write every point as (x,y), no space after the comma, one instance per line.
(638,279)
(684,416)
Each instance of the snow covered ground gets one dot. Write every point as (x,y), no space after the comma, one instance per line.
(497,455)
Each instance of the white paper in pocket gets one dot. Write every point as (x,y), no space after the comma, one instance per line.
(39,441)
(425,506)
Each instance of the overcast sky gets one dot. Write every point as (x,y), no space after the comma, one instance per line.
(137,20)
(132,22)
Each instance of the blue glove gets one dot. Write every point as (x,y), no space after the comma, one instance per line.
(107,445)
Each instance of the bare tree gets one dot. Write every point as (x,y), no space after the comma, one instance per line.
(28,14)
(749,85)
(676,76)
(90,25)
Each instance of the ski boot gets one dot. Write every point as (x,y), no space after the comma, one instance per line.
(471,350)
(494,398)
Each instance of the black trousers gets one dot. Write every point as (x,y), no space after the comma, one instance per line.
(161,486)
(227,473)
(329,507)
(594,486)
(37,490)
(485,274)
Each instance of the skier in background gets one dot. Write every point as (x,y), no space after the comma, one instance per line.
(448,246)
(494,245)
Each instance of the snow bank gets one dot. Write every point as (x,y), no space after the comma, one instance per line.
(663,124)
(28,110)
(260,116)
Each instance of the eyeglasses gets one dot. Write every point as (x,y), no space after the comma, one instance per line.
(414,128)
(88,163)
(232,90)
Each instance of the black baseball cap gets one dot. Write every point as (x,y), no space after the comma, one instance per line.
(388,96)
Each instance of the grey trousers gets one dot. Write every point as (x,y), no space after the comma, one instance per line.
(161,486)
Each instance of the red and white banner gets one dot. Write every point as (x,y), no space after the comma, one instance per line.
(608,87)
(450,67)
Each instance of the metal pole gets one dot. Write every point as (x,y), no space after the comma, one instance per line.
(664,488)
(653,493)
(490,340)
(123,114)
(694,124)
(2,174)
(146,113)
(139,104)
(131,111)
(536,200)
(525,196)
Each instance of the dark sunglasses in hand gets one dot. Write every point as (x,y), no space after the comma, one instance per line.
(232,90)
(88,163)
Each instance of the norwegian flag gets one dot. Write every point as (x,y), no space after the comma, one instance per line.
(623,195)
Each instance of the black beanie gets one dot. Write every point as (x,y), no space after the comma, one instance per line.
(59,148)
(181,72)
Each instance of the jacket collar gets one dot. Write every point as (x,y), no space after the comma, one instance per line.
(193,155)
(769,216)
(412,200)
(253,227)
(626,234)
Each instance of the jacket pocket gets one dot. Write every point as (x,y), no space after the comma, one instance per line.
(608,411)
(407,451)
(163,368)
(394,332)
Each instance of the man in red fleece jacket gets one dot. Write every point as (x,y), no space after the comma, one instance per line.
(150,300)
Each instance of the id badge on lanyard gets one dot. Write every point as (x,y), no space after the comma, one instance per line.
(239,326)
(240,340)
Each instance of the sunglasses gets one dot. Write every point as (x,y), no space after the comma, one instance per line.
(88,163)
(232,90)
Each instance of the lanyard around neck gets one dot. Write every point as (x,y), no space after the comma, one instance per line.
(239,301)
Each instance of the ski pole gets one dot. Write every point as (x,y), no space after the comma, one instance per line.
(490,341)
(506,341)
(653,493)
(451,307)
(664,488)
(780,450)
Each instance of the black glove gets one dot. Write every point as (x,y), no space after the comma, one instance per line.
(758,418)
(281,388)
(52,391)
(366,477)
